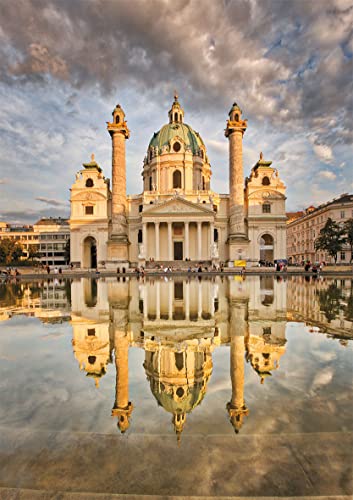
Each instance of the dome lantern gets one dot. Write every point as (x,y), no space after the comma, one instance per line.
(176,113)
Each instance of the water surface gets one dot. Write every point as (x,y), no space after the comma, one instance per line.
(223,386)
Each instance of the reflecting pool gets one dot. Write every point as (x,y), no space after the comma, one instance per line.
(206,387)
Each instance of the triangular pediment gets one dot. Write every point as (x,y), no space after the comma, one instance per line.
(178,206)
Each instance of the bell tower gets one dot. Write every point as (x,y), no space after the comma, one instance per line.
(235,130)
(118,240)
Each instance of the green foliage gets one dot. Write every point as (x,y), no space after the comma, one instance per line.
(331,238)
(33,252)
(348,227)
(10,251)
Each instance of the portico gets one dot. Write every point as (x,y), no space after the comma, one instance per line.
(171,232)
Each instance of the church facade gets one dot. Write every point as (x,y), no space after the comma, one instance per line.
(177,216)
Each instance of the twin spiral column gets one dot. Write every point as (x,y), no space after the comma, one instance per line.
(235,130)
(118,241)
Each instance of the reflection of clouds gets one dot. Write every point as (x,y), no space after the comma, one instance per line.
(321,379)
(325,355)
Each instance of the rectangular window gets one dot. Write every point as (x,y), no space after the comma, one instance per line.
(91,332)
(266,208)
(89,210)
(343,255)
(342,214)
(140,208)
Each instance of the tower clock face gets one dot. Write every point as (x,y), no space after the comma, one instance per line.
(176,146)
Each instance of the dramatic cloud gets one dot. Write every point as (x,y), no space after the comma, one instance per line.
(62,64)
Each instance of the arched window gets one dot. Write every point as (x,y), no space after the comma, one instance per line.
(236,117)
(265,181)
(139,236)
(177,179)
(150,183)
(176,146)
(151,154)
(202,153)
(175,117)
(89,183)
(117,119)
(215,235)
(203,183)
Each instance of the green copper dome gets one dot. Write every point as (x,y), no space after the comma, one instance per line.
(169,132)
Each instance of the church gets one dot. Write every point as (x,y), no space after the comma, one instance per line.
(177,217)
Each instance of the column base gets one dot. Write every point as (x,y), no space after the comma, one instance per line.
(118,250)
(238,247)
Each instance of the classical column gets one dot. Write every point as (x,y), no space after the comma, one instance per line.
(156,227)
(187,249)
(199,240)
(170,249)
(211,239)
(144,237)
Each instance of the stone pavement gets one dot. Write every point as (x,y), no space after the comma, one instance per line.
(73,465)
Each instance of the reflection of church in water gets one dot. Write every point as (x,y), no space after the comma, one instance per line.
(179,323)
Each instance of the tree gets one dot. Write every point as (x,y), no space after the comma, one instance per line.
(348,227)
(33,252)
(10,250)
(331,238)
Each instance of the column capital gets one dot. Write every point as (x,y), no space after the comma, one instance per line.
(118,128)
(235,126)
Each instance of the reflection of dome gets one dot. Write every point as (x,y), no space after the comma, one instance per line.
(173,131)
(178,380)
(264,354)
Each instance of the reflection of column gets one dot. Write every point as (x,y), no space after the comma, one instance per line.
(158,300)
(199,300)
(144,237)
(199,240)
(145,302)
(170,254)
(156,227)
(187,250)
(122,406)
(170,300)
(187,300)
(237,407)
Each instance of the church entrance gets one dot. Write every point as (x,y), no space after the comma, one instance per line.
(178,250)
(90,252)
(266,248)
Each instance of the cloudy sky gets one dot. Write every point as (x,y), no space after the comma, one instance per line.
(65,64)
